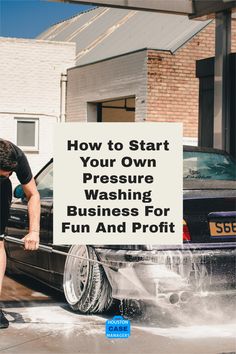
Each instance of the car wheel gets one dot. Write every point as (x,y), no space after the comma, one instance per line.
(85,283)
(132,309)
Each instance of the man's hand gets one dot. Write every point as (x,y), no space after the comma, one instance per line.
(31,241)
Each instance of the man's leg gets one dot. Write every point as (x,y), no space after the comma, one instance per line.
(5,202)
(3,261)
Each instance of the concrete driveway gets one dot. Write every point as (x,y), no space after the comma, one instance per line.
(41,322)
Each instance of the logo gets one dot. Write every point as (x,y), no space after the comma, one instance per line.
(118,327)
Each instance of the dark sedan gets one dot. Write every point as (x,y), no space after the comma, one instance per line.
(204,264)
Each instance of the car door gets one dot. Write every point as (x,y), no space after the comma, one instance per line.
(35,263)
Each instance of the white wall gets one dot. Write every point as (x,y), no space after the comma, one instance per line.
(37,159)
(30,88)
(115,78)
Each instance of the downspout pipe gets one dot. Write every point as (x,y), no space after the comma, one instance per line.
(63,88)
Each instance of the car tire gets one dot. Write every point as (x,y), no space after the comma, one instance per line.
(132,309)
(85,284)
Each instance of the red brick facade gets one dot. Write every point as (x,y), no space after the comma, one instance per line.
(172,83)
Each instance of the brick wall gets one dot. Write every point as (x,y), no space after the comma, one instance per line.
(173,89)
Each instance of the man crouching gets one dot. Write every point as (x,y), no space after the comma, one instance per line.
(12,159)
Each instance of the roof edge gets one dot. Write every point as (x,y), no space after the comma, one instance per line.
(35,40)
(189,39)
(119,56)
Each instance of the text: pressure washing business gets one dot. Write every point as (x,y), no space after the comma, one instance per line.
(122,184)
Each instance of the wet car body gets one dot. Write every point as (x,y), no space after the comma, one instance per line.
(204,263)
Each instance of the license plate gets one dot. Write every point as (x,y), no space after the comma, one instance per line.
(223,228)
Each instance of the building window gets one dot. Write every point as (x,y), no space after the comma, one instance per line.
(27,134)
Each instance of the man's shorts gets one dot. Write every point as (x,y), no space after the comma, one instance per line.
(5,203)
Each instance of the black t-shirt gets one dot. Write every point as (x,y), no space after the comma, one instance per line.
(23,170)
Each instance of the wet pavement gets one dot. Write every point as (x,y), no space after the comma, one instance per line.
(41,322)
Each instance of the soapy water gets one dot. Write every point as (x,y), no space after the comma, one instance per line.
(174,271)
(210,310)
(166,272)
(207,317)
(201,318)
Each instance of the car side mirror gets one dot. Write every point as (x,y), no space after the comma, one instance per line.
(19,192)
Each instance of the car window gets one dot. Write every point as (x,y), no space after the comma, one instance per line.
(44,182)
(211,166)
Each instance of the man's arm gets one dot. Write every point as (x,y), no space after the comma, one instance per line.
(32,238)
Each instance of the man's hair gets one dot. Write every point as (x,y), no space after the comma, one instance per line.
(7,156)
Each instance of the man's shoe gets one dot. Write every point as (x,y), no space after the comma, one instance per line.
(4,323)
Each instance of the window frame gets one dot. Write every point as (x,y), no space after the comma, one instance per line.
(35,147)
(41,174)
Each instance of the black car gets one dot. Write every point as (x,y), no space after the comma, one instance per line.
(205,262)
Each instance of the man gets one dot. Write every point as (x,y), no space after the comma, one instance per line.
(12,159)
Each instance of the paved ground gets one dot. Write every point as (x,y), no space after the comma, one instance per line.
(42,323)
